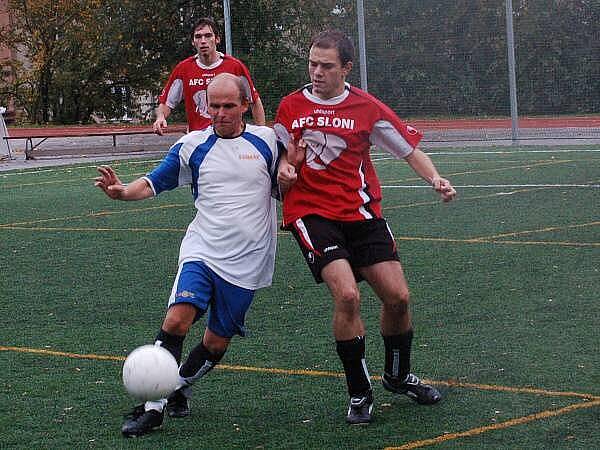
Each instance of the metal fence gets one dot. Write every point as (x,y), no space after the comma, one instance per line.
(445,59)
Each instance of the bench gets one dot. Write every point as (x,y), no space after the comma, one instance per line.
(42,134)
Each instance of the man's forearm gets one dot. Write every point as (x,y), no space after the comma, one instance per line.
(258,112)
(163,111)
(422,165)
(137,190)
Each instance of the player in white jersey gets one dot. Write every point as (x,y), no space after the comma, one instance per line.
(229,248)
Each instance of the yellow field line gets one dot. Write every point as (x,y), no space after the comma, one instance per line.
(97,229)
(41,351)
(96,214)
(40,183)
(132,229)
(491,241)
(497,426)
(70,180)
(541,230)
(78,167)
(558,243)
(284,233)
(273,370)
(517,390)
(317,373)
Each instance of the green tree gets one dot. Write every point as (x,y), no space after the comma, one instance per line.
(37,31)
(272,38)
(84,56)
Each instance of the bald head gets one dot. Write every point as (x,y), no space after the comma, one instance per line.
(227,103)
(227,83)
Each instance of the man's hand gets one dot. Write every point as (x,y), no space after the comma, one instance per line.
(160,125)
(286,175)
(296,152)
(109,182)
(444,188)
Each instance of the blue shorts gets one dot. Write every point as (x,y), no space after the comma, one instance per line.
(197,284)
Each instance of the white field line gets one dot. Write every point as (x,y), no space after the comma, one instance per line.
(496,152)
(495,186)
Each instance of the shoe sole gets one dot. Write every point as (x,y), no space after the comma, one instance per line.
(364,422)
(414,397)
(176,415)
(133,435)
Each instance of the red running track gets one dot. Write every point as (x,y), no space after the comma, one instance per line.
(524,122)
(423,124)
(86,130)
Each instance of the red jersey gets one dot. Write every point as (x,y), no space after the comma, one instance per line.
(337,179)
(188,81)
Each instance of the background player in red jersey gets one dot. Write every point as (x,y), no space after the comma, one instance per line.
(189,80)
(333,207)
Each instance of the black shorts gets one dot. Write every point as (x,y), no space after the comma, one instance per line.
(363,243)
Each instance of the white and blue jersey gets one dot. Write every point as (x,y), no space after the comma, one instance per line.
(235,228)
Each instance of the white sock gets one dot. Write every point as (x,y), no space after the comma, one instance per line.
(157,405)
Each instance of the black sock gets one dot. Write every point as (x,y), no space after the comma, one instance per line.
(171,342)
(352,354)
(198,363)
(397,354)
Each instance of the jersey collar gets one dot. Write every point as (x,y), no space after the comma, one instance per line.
(231,137)
(214,65)
(306,91)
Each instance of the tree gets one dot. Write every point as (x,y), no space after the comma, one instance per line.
(272,38)
(424,58)
(37,31)
(81,56)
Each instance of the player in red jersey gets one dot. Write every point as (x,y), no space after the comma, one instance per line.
(332,205)
(189,80)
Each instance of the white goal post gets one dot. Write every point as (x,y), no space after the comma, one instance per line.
(4,148)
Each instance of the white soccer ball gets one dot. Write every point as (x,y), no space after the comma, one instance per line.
(150,372)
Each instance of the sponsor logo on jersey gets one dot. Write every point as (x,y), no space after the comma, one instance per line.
(328,249)
(323,122)
(324,111)
(249,156)
(201,81)
(186,294)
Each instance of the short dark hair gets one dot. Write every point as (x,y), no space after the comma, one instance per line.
(335,39)
(206,21)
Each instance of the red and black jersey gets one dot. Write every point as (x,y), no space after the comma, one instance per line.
(337,179)
(189,80)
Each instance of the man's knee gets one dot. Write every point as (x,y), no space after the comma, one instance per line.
(214,343)
(398,303)
(347,301)
(179,318)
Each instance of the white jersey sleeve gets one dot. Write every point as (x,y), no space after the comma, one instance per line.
(387,137)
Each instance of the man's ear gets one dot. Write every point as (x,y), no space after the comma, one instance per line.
(347,68)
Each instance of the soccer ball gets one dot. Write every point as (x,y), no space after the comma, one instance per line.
(150,372)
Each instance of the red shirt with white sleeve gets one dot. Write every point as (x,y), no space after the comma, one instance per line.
(337,179)
(189,80)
